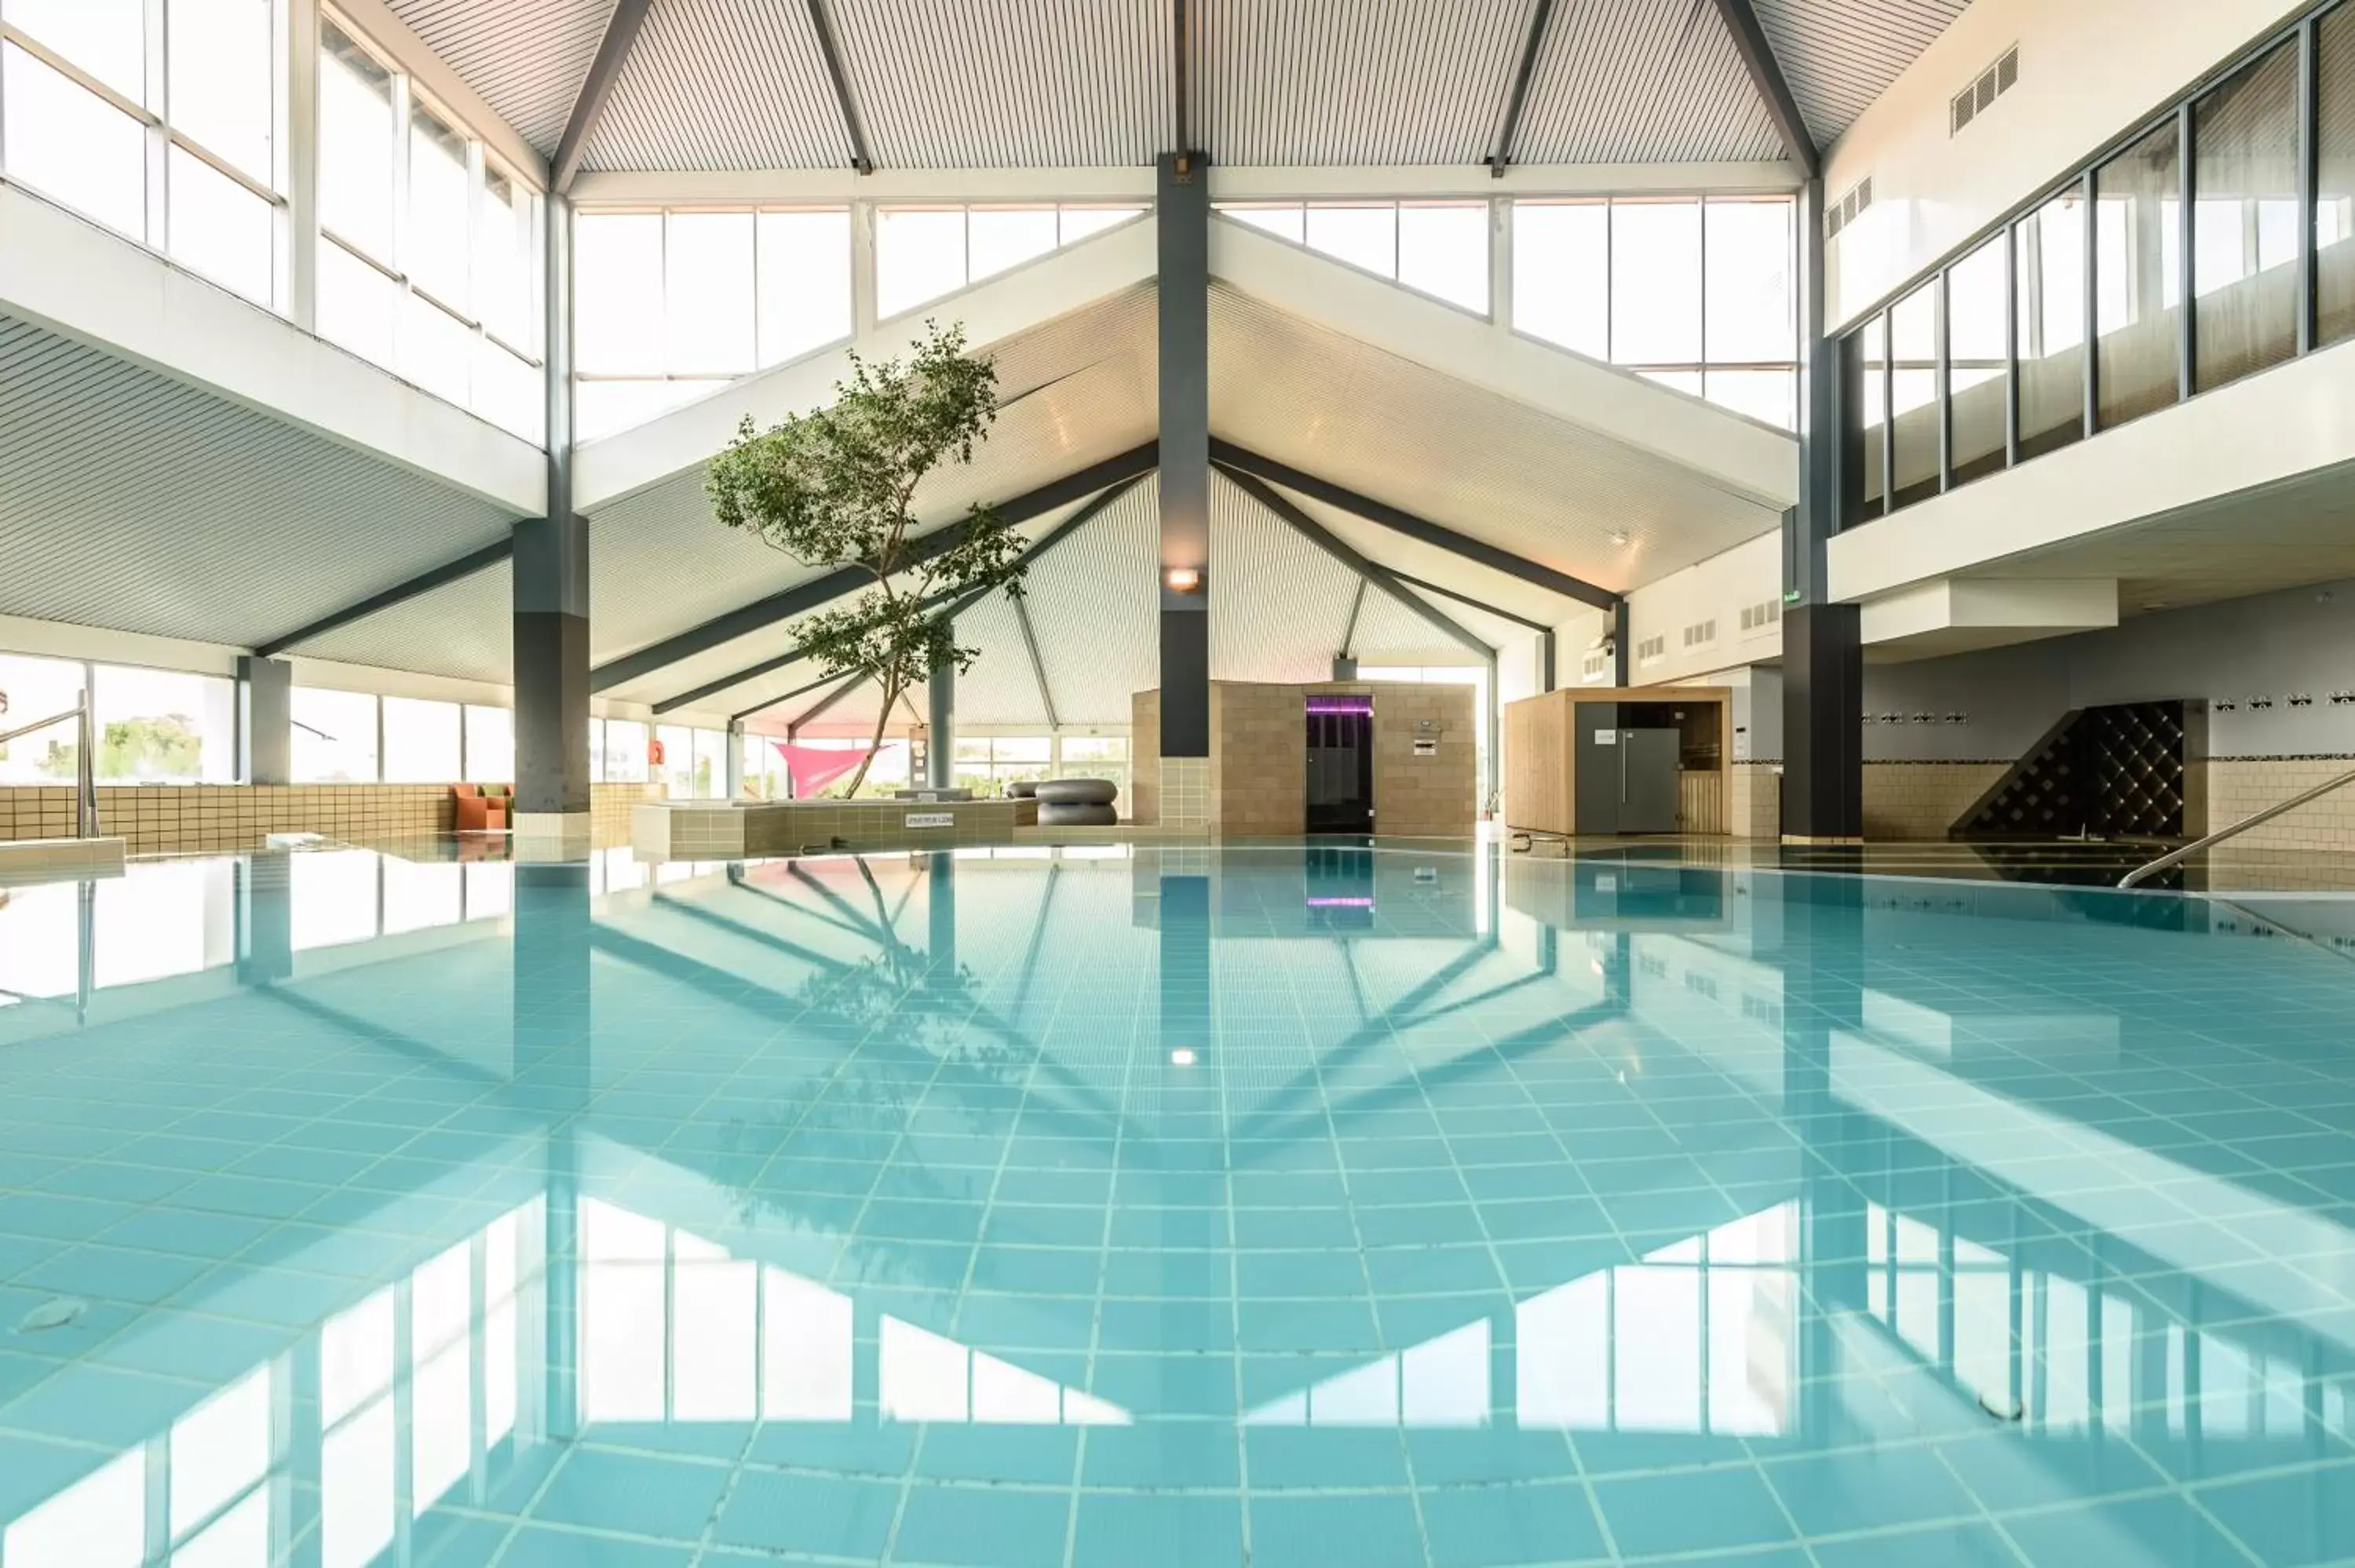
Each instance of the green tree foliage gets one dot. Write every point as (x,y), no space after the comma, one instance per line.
(836,487)
(169,747)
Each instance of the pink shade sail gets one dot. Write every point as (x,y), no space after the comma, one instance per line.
(812,768)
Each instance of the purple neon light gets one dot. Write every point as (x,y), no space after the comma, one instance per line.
(1343,704)
(1341,903)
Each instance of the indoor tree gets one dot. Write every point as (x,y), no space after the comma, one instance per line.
(836,487)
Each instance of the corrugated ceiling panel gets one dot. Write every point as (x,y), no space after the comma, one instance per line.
(723,84)
(1000,687)
(1095,606)
(1279,604)
(1390,633)
(526,58)
(463,628)
(951,84)
(134,502)
(1483,464)
(1434,565)
(1356,81)
(1641,81)
(663,563)
(1839,54)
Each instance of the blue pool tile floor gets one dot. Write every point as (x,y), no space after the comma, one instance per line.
(1140,1205)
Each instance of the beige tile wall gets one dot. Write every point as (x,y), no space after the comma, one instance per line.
(163,819)
(1914,801)
(1754,801)
(1144,804)
(1259,757)
(2237,788)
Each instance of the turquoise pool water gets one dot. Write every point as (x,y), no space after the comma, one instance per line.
(1178,1206)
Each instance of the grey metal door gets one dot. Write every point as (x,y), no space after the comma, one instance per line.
(1596,808)
(1647,793)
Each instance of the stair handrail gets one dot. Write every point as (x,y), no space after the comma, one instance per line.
(2175,857)
(85,774)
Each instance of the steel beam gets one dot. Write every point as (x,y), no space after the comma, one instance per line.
(861,158)
(1766,76)
(1511,130)
(589,105)
(1236,459)
(1380,576)
(844,580)
(425,582)
(799,690)
(1053,536)
(1038,665)
(1483,606)
(1181,208)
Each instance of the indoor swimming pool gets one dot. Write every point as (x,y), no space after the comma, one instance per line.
(1169,1204)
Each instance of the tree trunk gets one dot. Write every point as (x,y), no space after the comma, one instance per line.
(882,722)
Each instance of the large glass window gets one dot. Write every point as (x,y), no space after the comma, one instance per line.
(166,726)
(2049,248)
(1913,408)
(1695,295)
(429,264)
(31,689)
(1440,248)
(1864,361)
(670,306)
(83,113)
(490,744)
(2244,219)
(335,736)
(1977,372)
(986,765)
(2334,164)
(2138,278)
(625,752)
(420,741)
(925,252)
(1562,274)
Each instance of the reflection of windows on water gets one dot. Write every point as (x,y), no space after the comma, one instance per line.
(1696,1338)
(2073,1359)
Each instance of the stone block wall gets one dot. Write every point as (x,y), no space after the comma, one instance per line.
(2237,788)
(1914,802)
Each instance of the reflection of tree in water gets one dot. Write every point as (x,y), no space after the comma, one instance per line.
(899,1024)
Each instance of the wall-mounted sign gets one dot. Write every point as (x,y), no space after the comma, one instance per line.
(931,819)
(1426,749)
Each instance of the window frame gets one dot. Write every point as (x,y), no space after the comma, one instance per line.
(409,98)
(160,135)
(2083,179)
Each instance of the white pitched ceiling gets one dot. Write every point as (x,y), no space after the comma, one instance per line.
(1356,81)
(742,84)
(1076,391)
(526,58)
(463,628)
(1279,604)
(137,502)
(1481,463)
(1837,56)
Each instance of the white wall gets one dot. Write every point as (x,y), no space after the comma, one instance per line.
(1717,588)
(2088,71)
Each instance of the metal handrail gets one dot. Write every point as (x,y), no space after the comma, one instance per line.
(2175,857)
(85,764)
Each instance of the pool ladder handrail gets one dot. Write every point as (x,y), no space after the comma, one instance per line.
(2174,857)
(85,776)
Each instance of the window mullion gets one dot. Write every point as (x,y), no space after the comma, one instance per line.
(156,100)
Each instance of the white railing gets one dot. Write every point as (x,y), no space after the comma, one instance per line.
(2174,857)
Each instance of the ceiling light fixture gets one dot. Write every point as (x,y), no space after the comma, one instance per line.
(1182,579)
(1618,535)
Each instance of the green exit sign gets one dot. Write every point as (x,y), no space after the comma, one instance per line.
(1790,595)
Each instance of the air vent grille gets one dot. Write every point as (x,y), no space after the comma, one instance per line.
(1652,648)
(1979,97)
(1759,617)
(1845,210)
(1701,633)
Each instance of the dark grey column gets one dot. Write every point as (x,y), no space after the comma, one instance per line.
(940,921)
(551,598)
(939,728)
(1186,967)
(1823,655)
(734,784)
(1182,212)
(265,689)
(1623,643)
